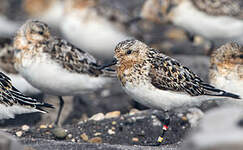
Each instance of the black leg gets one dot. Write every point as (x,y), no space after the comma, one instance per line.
(61,103)
(190,36)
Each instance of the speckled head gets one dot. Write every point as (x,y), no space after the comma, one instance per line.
(32,32)
(230,53)
(227,60)
(36,31)
(130,52)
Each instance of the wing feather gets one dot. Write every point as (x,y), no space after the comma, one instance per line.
(167,73)
(73,59)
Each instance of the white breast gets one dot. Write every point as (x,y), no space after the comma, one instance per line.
(159,99)
(212,27)
(50,77)
(91,32)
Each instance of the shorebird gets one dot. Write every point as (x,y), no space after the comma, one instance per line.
(218,20)
(226,70)
(55,66)
(7,67)
(13,102)
(91,27)
(159,81)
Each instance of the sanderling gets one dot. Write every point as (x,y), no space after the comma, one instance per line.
(7,67)
(86,25)
(220,20)
(13,102)
(226,70)
(159,81)
(49,11)
(55,66)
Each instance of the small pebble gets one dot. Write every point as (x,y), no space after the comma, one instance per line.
(105,93)
(110,131)
(73,140)
(198,40)
(113,122)
(59,133)
(84,137)
(176,34)
(97,117)
(19,133)
(50,126)
(133,111)
(25,128)
(113,114)
(95,140)
(97,134)
(135,139)
(69,136)
(184,118)
(43,126)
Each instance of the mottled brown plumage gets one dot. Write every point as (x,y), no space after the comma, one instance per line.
(226,69)
(72,58)
(68,56)
(138,62)
(232,8)
(167,73)
(55,66)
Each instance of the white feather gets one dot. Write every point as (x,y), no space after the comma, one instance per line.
(51,78)
(212,27)
(161,99)
(92,33)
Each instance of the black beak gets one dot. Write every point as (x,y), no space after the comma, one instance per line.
(114,62)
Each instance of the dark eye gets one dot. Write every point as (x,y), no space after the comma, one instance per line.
(129,52)
(40,32)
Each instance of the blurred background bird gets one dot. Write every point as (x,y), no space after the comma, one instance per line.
(226,68)
(219,20)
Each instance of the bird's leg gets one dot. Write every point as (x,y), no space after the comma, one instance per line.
(165,128)
(61,103)
(166,122)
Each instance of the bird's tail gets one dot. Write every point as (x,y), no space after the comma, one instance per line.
(41,105)
(212,91)
(228,94)
(28,101)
